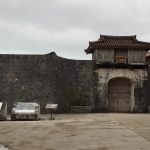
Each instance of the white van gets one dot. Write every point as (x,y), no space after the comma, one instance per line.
(25,111)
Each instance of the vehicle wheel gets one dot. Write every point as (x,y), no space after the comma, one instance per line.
(13,117)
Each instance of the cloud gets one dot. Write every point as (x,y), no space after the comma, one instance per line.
(66,27)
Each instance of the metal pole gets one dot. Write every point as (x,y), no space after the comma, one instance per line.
(51,112)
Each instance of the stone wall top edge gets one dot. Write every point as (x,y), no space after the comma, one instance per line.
(73,59)
(7,56)
(51,53)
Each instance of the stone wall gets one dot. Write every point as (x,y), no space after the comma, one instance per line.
(81,109)
(139,83)
(41,78)
(146,90)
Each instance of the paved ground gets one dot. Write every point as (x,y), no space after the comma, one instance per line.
(79,132)
(138,123)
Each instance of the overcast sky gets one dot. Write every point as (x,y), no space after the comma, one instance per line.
(66,26)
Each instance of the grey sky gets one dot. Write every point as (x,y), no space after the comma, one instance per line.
(66,26)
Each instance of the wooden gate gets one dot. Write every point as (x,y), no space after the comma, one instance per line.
(119,95)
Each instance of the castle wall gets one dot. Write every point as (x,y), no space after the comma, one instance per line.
(147,89)
(41,78)
(138,79)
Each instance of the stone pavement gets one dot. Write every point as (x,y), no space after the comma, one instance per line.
(72,132)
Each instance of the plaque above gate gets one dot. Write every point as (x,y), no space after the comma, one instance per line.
(121,60)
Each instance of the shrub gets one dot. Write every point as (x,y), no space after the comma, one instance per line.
(72,97)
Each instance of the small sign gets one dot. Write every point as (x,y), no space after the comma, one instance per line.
(51,106)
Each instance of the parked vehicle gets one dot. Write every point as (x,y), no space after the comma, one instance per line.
(3,110)
(25,111)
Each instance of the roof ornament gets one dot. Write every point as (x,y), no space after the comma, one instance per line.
(134,39)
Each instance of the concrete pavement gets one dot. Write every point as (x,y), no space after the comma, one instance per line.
(78,132)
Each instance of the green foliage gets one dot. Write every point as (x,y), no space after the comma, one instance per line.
(23,93)
(72,97)
(43,110)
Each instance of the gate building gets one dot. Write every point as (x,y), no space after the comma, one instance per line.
(121,69)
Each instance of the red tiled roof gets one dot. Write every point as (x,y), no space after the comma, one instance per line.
(123,42)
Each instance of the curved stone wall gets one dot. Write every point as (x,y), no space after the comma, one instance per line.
(41,78)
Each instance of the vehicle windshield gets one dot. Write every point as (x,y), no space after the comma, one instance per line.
(26,106)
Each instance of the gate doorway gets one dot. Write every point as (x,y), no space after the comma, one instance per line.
(119,95)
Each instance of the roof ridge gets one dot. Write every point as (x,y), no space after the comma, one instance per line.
(117,37)
(143,42)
